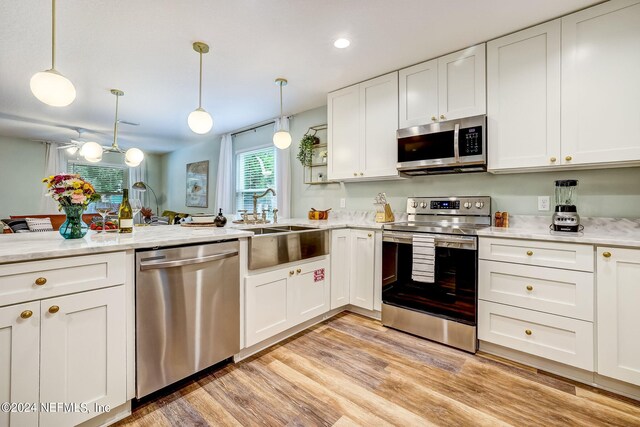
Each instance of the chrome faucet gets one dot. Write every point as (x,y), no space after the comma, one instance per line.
(255,201)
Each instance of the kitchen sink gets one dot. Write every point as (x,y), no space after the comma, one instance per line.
(281,244)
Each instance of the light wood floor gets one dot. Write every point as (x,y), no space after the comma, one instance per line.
(351,370)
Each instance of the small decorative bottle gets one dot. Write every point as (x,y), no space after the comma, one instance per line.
(220,220)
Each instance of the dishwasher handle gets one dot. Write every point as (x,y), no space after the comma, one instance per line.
(150,265)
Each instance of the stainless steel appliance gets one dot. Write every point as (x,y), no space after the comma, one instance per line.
(444,147)
(445,310)
(565,217)
(187,311)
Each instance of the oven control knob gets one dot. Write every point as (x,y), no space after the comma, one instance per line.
(467,205)
(479,205)
(423,205)
(414,204)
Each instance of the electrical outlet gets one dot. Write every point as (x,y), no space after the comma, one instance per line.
(543,203)
(343,202)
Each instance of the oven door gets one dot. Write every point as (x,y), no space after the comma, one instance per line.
(452,296)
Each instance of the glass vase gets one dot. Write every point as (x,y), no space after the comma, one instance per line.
(73,227)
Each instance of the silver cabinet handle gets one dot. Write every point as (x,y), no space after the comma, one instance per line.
(150,265)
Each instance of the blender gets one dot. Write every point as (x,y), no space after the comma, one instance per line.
(565,217)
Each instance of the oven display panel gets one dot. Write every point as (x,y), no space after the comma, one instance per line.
(445,204)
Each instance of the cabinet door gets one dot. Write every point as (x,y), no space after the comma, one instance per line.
(19,361)
(343,133)
(311,290)
(269,303)
(600,84)
(618,293)
(523,77)
(378,126)
(83,353)
(340,266)
(362,268)
(418,94)
(461,83)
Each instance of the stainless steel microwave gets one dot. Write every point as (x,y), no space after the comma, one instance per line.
(444,147)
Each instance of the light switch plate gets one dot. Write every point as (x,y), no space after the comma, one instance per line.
(343,202)
(543,203)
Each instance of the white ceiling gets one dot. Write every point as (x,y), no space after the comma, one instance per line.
(143,47)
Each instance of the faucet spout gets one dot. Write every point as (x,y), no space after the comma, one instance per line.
(257,196)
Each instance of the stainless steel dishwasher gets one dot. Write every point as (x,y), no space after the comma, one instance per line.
(187,311)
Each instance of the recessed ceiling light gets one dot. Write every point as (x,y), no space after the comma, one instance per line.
(341,43)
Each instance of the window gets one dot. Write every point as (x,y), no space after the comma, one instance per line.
(255,172)
(108,180)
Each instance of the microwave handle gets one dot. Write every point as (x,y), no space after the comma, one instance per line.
(456,145)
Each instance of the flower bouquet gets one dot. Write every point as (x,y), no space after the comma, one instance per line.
(73,195)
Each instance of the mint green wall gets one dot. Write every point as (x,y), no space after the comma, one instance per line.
(22,169)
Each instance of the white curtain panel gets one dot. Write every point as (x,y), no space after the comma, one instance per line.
(51,167)
(224,182)
(283,173)
(139,174)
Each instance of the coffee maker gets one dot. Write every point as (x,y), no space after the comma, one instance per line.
(565,217)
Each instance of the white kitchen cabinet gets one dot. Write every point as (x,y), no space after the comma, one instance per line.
(462,83)
(600,85)
(618,293)
(446,88)
(523,101)
(281,299)
(19,360)
(362,124)
(82,353)
(340,266)
(362,272)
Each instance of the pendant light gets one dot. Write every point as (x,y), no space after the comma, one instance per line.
(50,86)
(133,156)
(199,120)
(281,138)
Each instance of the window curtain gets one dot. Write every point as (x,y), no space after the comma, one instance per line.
(52,166)
(139,174)
(283,173)
(225,183)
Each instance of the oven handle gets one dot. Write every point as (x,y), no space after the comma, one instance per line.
(441,241)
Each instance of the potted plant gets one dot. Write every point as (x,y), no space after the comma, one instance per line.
(305,151)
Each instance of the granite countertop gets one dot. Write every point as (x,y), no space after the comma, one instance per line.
(597,231)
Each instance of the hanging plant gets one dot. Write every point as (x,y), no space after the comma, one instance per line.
(305,151)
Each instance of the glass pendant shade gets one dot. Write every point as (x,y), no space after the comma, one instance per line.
(200,121)
(133,157)
(52,88)
(92,151)
(282,139)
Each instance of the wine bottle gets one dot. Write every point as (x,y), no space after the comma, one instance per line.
(125,214)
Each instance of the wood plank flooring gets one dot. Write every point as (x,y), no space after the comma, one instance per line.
(350,370)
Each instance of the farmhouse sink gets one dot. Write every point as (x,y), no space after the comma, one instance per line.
(275,245)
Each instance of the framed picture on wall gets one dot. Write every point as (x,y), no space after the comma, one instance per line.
(198,184)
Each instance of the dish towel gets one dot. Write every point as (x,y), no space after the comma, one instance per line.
(424,258)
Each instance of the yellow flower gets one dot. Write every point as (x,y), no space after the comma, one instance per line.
(77,191)
(77,184)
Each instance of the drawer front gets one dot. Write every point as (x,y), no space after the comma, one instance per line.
(530,252)
(562,292)
(564,340)
(34,280)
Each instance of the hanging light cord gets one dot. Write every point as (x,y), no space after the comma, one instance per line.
(200,86)
(53,34)
(280,100)
(115,127)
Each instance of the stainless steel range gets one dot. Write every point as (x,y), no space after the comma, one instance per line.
(430,269)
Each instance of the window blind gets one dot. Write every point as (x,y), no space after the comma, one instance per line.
(255,172)
(108,180)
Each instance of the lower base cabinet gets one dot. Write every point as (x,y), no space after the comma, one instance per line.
(280,299)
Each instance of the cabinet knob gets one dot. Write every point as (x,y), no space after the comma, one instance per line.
(434,118)
(553,159)
(26,314)
(529,288)
(442,117)
(568,158)
(299,270)
(606,254)
(41,281)
(355,174)
(361,174)
(369,234)
(291,273)
(54,309)
(529,253)
(528,331)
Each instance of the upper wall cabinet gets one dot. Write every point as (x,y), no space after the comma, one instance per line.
(362,124)
(523,108)
(446,88)
(600,84)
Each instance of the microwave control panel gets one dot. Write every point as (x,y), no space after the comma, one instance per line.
(470,141)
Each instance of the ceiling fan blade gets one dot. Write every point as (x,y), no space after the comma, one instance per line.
(124,122)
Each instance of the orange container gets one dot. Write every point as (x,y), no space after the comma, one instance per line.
(319,215)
